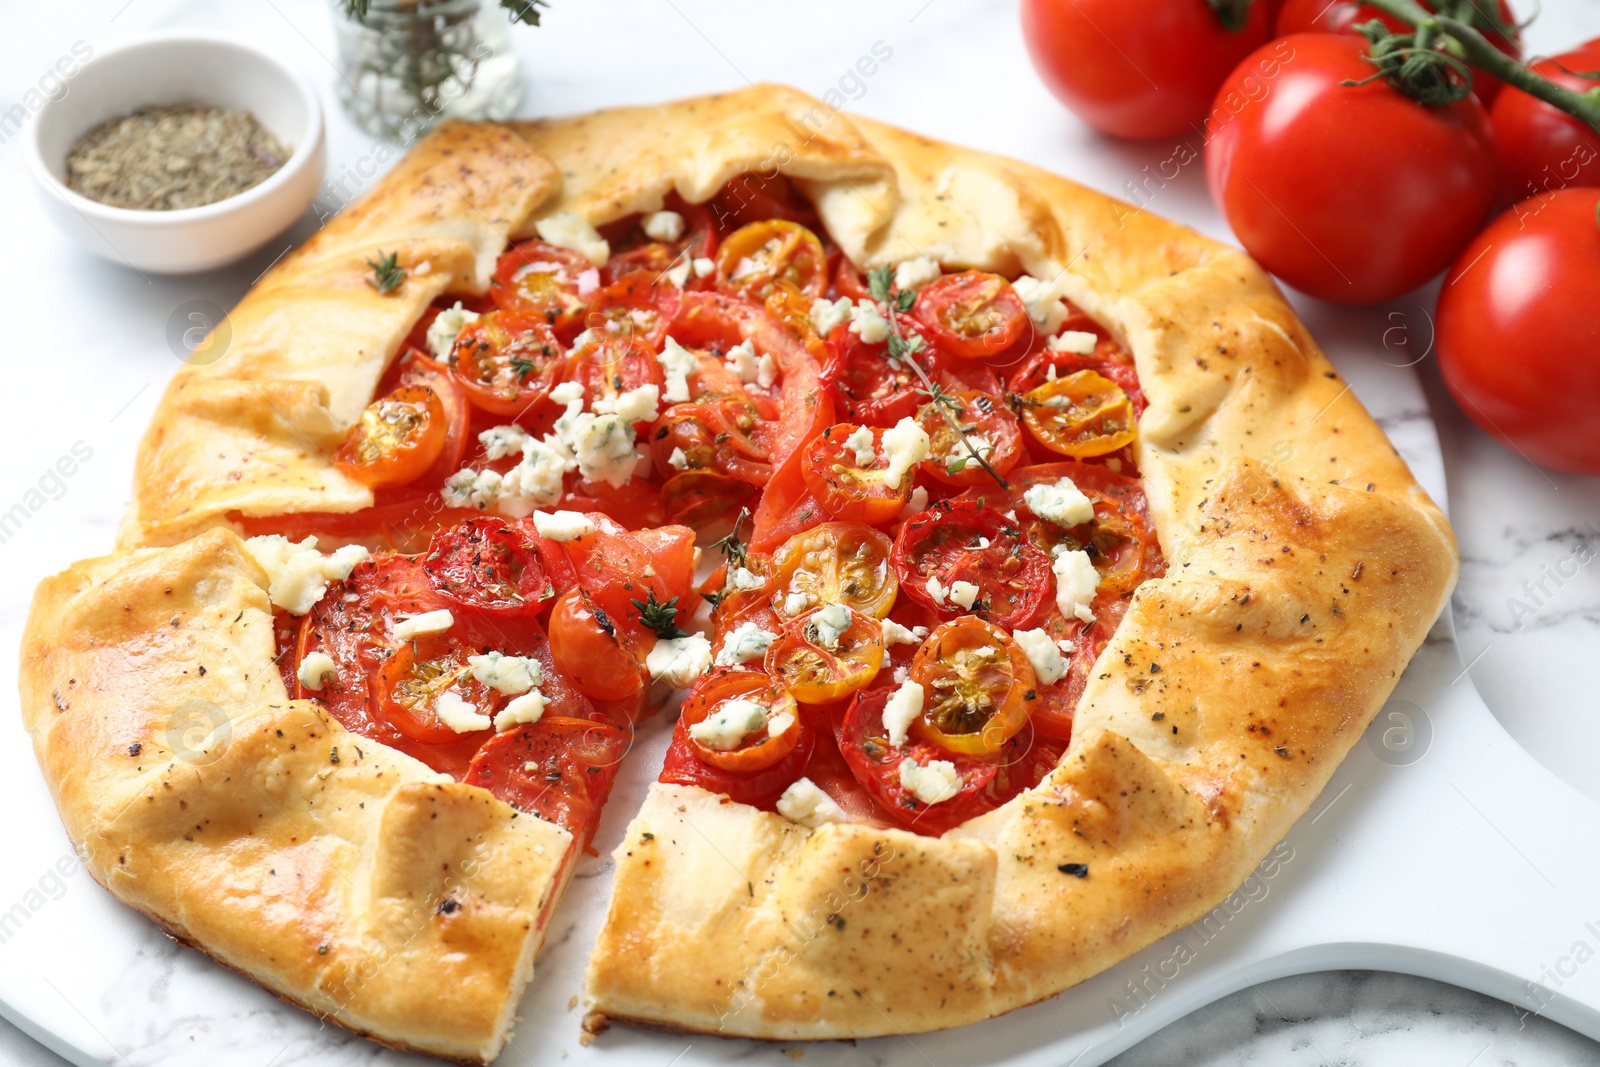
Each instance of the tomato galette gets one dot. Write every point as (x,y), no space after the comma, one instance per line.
(1014,565)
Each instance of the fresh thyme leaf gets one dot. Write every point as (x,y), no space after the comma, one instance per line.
(735,550)
(662,618)
(878,283)
(902,348)
(356,9)
(714,599)
(958,466)
(523,10)
(523,367)
(387,273)
(904,299)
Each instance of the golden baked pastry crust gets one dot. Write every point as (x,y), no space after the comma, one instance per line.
(1305,567)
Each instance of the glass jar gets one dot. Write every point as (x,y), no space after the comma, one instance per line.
(406,65)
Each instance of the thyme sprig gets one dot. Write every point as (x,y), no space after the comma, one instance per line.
(523,367)
(735,550)
(387,273)
(662,618)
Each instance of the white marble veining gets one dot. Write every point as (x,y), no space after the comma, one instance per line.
(88,353)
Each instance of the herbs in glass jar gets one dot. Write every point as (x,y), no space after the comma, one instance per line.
(167,158)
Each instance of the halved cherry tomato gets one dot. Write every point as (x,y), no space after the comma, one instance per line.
(414,368)
(989,427)
(507,361)
(557,769)
(977,682)
(609,368)
(754,258)
(835,563)
(396,439)
(717,433)
(544,280)
(819,672)
(757,750)
(1083,414)
(638,306)
(489,565)
(972,314)
(417,675)
(847,488)
(1109,359)
(633,250)
(749,198)
(672,556)
(760,788)
(962,541)
(702,498)
(847,281)
(875,390)
(583,639)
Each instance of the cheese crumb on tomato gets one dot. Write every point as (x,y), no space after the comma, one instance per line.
(704,266)
(936,589)
(678,363)
(679,661)
(562,525)
(678,459)
(796,603)
(829,623)
(446,327)
(678,273)
(529,707)
(917,504)
(569,231)
(868,323)
(1048,663)
(895,634)
(636,405)
(536,481)
(429,622)
(1076,581)
(567,393)
(754,369)
(511,675)
(297,574)
(805,803)
(501,441)
(467,488)
(963,593)
(901,710)
(602,445)
(933,782)
(826,315)
(915,273)
(458,715)
(864,445)
(314,668)
(726,728)
(1078,342)
(742,578)
(744,643)
(1062,503)
(663,226)
(906,445)
(1043,303)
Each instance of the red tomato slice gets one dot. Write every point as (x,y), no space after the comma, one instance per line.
(749,198)
(558,769)
(507,361)
(990,428)
(757,751)
(962,541)
(847,488)
(972,314)
(759,788)
(489,565)
(543,280)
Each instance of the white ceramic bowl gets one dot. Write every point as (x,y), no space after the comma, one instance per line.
(181,68)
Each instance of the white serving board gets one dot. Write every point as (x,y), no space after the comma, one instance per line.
(1440,848)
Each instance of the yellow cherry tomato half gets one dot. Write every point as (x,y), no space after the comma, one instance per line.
(1083,414)
(820,662)
(976,682)
(835,563)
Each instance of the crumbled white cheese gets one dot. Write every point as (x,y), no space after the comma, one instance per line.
(828,314)
(315,667)
(895,634)
(679,363)
(704,266)
(562,525)
(915,273)
(467,488)
(933,783)
(901,673)
(511,675)
(865,447)
(796,603)
(529,707)
(1068,647)
(1048,663)
(588,282)
(679,661)
(678,273)
(963,593)
(780,724)
(297,574)
(742,578)
(906,445)
(745,643)
(602,445)
(588,337)
(829,623)
(935,589)
(1062,503)
(902,709)
(917,504)
(678,459)
(429,622)
(636,405)
(446,327)
(726,728)
(501,441)
(536,481)
(567,392)
(663,226)
(458,715)
(1079,342)
(804,803)
(569,231)
(868,323)
(1043,303)
(761,370)
(1076,581)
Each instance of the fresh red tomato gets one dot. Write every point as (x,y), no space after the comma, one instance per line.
(1352,193)
(397,438)
(848,488)
(489,565)
(507,361)
(1519,343)
(1137,68)
(558,769)
(544,280)
(973,314)
(963,541)
(1542,148)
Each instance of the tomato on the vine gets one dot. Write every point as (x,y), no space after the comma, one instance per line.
(1519,343)
(1352,193)
(1542,148)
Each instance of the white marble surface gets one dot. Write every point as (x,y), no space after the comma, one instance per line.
(88,341)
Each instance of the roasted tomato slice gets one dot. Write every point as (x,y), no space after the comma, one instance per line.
(716,433)
(558,769)
(1083,414)
(990,430)
(609,368)
(834,563)
(490,565)
(821,662)
(583,639)
(396,439)
(846,469)
(544,280)
(744,699)
(751,198)
(418,675)
(759,786)
(703,498)
(972,314)
(754,258)
(638,307)
(507,361)
(977,685)
(964,542)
